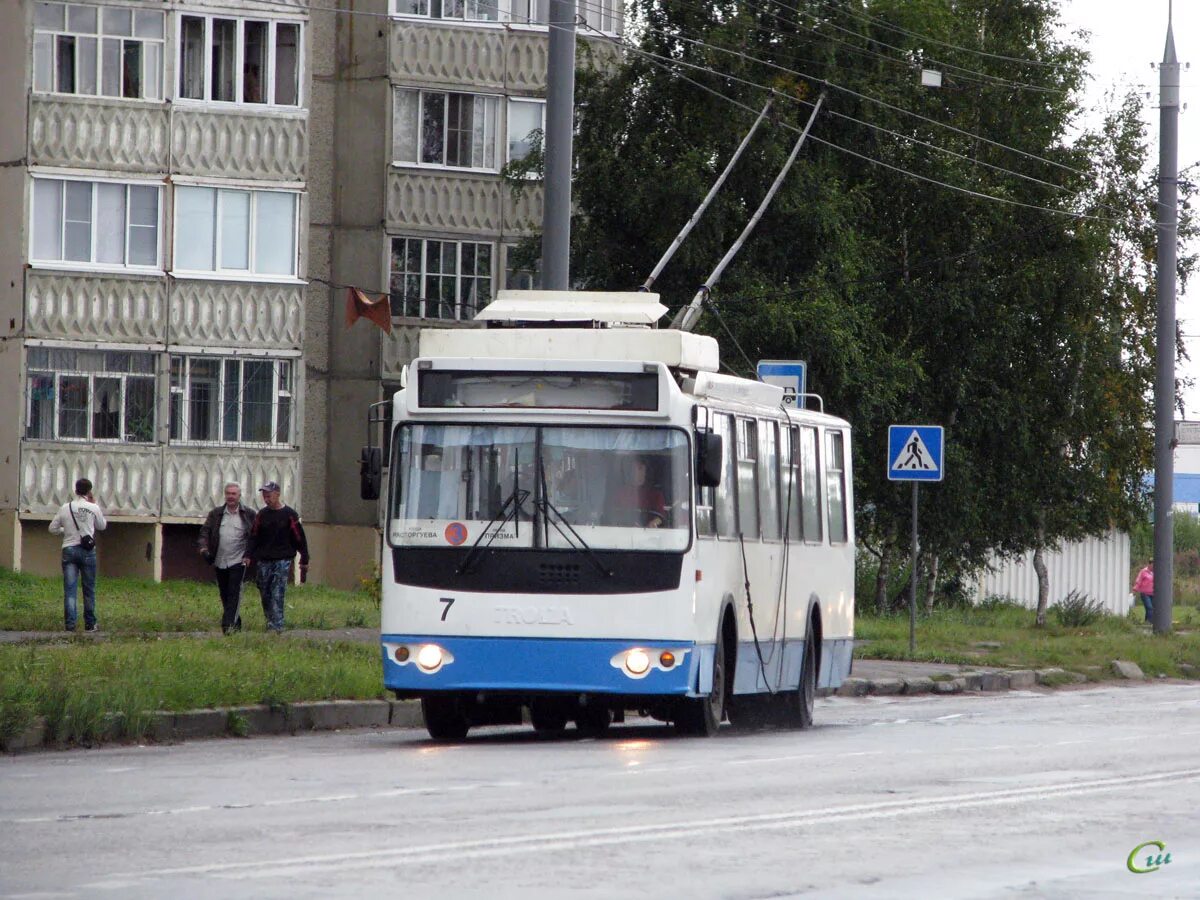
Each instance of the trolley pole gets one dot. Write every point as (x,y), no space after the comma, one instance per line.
(912,581)
(1164,384)
(560,107)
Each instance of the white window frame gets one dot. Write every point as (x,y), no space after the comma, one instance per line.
(100,35)
(91,375)
(278,391)
(499,145)
(239,62)
(612,12)
(422,301)
(247,274)
(508,119)
(92,265)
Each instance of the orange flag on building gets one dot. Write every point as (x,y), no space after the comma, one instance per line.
(376,309)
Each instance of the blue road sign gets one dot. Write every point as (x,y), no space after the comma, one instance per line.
(785,373)
(915,453)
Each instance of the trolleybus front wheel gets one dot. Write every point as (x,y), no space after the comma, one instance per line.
(548,717)
(702,715)
(445,718)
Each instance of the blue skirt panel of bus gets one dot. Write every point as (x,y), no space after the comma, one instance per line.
(545,664)
(783,663)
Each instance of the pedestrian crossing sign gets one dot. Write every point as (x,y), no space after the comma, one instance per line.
(915,453)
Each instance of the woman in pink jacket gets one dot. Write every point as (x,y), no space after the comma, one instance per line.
(1144,585)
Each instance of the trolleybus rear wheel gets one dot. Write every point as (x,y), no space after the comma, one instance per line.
(593,721)
(445,718)
(799,704)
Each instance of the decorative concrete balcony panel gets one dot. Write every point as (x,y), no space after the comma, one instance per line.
(194,477)
(422,52)
(127,477)
(235,145)
(96,307)
(399,349)
(471,204)
(528,55)
(237,314)
(93,133)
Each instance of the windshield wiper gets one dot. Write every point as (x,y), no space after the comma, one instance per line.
(516,500)
(547,507)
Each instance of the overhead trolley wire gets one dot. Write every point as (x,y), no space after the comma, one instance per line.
(882,23)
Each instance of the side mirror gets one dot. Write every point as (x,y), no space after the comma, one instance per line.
(370,473)
(708,458)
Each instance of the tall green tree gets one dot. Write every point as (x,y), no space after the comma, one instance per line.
(1017,310)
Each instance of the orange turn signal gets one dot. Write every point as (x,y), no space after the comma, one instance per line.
(666,659)
(401,654)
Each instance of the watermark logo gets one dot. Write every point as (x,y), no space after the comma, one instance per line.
(456,533)
(1147,857)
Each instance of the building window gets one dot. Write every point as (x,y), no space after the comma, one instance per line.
(89,395)
(526,127)
(440,128)
(235,232)
(529,12)
(520,272)
(108,51)
(245,61)
(602,15)
(95,223)
(440,279)
(217,400)
(463,10)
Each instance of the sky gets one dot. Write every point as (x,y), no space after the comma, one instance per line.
(1126,36)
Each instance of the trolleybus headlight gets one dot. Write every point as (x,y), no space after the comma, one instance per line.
(430,657)
(637,662)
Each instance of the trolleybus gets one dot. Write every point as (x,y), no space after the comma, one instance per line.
(584,518)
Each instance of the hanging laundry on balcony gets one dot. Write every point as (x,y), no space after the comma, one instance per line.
(376,309)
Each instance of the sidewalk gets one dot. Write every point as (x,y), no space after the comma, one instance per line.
(356,635)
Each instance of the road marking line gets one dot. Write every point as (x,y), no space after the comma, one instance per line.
(537,843)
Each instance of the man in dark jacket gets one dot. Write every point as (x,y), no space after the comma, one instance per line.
(223,541)
(275,539)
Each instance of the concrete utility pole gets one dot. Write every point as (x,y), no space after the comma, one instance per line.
(1164,385)
(560,109)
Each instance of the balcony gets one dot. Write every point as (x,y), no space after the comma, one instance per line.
(460,203)
(267,146)
(237,314)
(96,307)
(98,133)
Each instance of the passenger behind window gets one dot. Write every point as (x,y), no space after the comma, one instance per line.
(638,501)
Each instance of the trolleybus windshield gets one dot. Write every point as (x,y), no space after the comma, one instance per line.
(619,488)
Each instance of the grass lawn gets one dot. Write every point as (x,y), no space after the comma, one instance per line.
(34,603)
(951,635)
(74,684)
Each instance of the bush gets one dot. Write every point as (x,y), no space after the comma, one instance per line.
(1077,610)
(996,602)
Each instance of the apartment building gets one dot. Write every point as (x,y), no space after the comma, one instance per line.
(188,187)
(153,170)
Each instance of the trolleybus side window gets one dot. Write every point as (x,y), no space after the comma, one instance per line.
(789,488)
(747,469)
(835,481)
(726,502)
(706,502)
(768,478)
(810,485)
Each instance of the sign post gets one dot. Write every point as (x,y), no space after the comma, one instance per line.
(914,454)
(787,374)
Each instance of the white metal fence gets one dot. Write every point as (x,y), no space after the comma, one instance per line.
(1098,567)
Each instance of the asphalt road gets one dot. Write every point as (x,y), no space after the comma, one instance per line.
(1021,794)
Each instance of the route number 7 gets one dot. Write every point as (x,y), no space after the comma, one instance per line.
(449,601)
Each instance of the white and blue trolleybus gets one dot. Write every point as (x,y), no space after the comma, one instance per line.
(582,517)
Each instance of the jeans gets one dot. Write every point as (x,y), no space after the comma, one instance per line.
(229,582)
(76,560)
(1148,602)
(272,582)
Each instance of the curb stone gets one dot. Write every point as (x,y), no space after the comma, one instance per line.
(918,685)
(953,686)
(854,687)
(994,681)
(1021,679)
(317,715)
(885,687)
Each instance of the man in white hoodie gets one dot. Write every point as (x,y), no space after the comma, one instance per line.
(77,522)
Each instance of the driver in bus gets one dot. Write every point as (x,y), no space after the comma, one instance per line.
(641,499)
